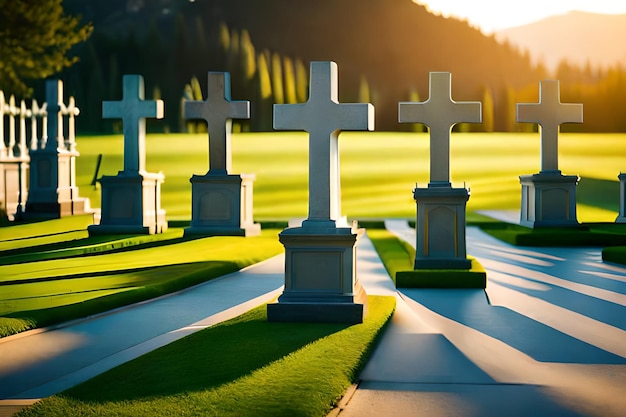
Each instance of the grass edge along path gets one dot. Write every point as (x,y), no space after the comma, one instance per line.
(588,234)
(191,376)
(396,254)
(258,248)
(615,254)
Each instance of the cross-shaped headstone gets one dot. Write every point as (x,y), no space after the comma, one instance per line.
(54,100)
(323,117)
(549,113)
(440,113)
(218,111)
(133,110)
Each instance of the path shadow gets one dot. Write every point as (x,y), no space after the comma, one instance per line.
(541,342)
(213,357)
(91,246)
(592,307)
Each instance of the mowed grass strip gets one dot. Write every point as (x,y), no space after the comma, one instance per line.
(378,169)
(52,291)
(396,254)
(242,367)
(86,246)
(616,254)
(589,234)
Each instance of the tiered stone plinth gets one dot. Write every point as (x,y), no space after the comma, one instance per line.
(441,228)
(52,191)
(440,257)
(622,199)
(13,191)
(548,200)
(222,206)
(131,204)
(320,277)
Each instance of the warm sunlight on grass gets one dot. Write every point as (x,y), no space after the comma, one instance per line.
(378,169)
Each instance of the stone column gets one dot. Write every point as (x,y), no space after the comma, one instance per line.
(321,284)
(221,202)
(549,197)
(440,207)
(53,191)
(131,200)
(621,218)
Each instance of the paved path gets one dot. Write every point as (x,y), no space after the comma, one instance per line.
(41,363)
(547,338)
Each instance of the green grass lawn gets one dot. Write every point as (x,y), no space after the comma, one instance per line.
(378,170)
(589,234)
(44,283)
(242,367)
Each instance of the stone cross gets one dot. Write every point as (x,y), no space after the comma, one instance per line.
(549,113)
(133,110)
(323,117)
(54,101)
(218,111)
(440,113)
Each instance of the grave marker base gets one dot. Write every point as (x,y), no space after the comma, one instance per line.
(320,278)
(131,204)
(441,240)
(222,206)
(548,200)
(474,277)
(52,193)
(621,218)
(13,191)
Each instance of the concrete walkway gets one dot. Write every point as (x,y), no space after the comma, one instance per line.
(41,363)
(547,338)
(44,362)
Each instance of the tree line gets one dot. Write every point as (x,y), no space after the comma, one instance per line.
(269,67)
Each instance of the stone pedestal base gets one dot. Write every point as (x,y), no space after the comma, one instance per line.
(622,199)
(52,191)
(441,228)
(320,278)
(131,204)
(13,189)
(548,200)
(222,206)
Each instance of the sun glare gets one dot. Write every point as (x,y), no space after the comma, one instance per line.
(490,15)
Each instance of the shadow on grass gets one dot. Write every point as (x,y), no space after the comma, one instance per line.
(204,360)
(90,246)
(598,193)
(588,234)
(158,281)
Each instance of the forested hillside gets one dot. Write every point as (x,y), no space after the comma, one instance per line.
(384,49)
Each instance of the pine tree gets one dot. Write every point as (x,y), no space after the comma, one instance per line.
(262,117)
(277,79)
(364,90)
(35,38)
(290,81)
(302,82)
(488,116)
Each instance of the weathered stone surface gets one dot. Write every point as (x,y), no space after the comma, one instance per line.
(221,202)
(131,200)
(320,275)
(549,197)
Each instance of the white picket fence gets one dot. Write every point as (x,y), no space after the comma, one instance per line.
(24,130)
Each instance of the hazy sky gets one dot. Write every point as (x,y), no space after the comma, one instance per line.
(491,15)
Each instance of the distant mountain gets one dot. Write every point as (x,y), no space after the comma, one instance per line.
(577,37)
